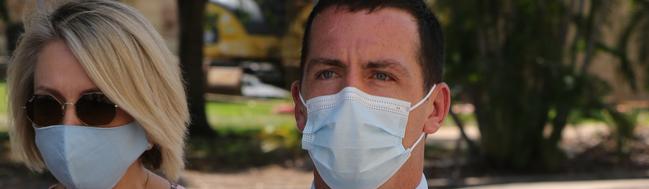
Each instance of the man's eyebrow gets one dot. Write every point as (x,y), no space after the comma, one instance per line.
(325,61)
(385,64)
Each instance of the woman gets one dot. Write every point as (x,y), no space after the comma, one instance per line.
(97,98)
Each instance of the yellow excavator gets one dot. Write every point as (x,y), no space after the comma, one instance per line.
(261,38)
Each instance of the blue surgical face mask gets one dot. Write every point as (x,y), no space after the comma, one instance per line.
(82,157)
(355,139)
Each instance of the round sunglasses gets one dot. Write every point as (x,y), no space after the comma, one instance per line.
(92,109)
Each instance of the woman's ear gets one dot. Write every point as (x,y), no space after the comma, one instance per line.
(299,110)
(441,102)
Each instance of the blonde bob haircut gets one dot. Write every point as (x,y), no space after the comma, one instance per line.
(124,56)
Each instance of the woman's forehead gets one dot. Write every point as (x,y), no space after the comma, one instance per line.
(57,69)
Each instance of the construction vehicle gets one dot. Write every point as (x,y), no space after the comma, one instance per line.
(263,41)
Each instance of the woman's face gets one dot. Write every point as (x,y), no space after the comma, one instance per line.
(60,75)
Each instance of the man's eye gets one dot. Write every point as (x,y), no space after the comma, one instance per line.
(382,77)
(326,75)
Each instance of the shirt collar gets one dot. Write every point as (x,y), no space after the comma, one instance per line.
(423,184)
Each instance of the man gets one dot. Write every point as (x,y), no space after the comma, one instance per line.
(370,91)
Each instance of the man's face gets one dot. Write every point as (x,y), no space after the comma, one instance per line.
(376,52)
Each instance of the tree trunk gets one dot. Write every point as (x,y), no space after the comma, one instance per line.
(191,15)
(518,70)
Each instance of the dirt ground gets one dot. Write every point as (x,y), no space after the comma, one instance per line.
(270,177)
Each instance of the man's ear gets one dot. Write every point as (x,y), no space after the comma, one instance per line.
(441,102)
(299,110)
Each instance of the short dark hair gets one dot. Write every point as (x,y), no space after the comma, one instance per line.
(431,52)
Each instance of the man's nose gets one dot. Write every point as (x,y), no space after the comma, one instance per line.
(70,115)
(355,80)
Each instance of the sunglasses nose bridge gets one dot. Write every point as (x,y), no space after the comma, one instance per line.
(70,115)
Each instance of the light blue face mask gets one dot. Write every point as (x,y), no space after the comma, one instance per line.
(82,157)
(355,139)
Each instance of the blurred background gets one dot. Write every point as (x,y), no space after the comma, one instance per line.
(546,93)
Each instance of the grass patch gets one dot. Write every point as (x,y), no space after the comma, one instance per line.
(249,133)
(3,107)
(242,113)
(3,98)
(237,148)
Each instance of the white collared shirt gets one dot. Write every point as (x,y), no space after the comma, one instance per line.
(423,184)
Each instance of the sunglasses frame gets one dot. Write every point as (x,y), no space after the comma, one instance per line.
(63,106)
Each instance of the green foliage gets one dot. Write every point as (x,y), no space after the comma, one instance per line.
(517,62)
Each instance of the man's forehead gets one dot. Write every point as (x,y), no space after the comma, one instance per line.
(384,34)
(383,15)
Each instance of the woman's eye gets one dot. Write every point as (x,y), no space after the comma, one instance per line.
(382,77)
(326,75)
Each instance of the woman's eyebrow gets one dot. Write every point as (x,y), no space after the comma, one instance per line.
(58,94)
(50,91)
(90,90)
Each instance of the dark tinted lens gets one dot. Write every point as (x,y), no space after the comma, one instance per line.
(95,109)
(44,110)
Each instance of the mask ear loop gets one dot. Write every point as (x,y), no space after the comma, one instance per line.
(416,142)
(414,107)
(302,100)
(424,99)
